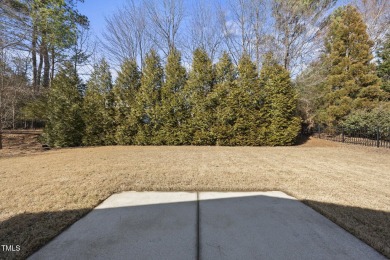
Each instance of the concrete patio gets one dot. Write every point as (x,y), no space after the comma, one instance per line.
(204,225)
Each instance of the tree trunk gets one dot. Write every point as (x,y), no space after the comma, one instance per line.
(286,60)
(39,72)
(46,67)
(52,64)
(13,115)
(141,55)
(34,59)
(1,126)
(2,71)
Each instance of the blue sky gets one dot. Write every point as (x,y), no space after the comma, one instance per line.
(97,10)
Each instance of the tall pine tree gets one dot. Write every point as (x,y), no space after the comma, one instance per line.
(64,124)
(199,85)
(172,108)
(352,81)
(126,87)
(279,107)
(148,101)
(384,64)
(244,102)
(98,109)
(225,76)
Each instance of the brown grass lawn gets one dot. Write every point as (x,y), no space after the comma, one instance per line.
(43,193)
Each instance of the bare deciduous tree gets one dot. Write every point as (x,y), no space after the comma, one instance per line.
(13,88)
(164,21)
(9,38)
(234,22)
(205,30)
(297,26)
(258,22)
(126,36)
(243,26)
(3,92)
(376,14)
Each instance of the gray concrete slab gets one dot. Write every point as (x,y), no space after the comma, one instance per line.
(231,225)
(131,225)
(271,225)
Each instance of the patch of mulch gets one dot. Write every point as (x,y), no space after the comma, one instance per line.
(21,143)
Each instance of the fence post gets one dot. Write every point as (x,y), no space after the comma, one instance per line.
(377,136)
(342,134)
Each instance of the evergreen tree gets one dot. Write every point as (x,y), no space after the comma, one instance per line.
(244,101)
(384,64)
(225,76)
(352,82)
(125,90)
(199,85)
(64,124)
(149,101)
(110,124)
(98,107)
(225,70)
(279,104)
(172,103)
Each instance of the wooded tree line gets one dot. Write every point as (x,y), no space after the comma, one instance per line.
(165,56)
(217,104)
(36,37)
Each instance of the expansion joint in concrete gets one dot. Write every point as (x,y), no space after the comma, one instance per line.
(197,226)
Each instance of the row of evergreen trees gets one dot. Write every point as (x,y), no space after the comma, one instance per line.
(218,104)
(224,104)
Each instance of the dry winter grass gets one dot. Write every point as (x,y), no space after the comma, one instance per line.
(41,194)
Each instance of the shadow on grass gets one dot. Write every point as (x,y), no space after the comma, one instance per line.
(229,227)
(302,139)
(32,230)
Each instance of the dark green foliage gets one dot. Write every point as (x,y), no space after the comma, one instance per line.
(64,124)
(279,109)
(370,120)
(225,70)
(36,109)
(242,112)
(126,87)
(110,124)
(199,86)
(225,75)
(172,110)
(216,105)
(351,82)
(384,64)
(98,110)
(148,101)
